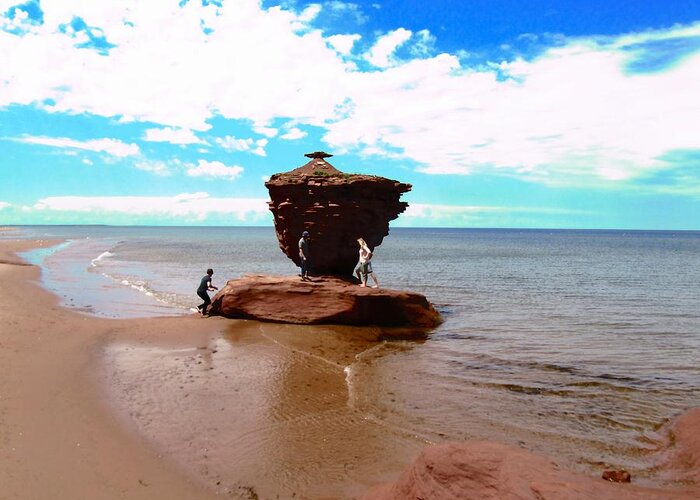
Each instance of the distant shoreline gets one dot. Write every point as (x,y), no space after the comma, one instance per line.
(392,228)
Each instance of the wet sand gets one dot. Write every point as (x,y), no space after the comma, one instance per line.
(180,407)
(58,437)
(259,408)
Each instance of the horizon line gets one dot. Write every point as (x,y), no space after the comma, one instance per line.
(476,228)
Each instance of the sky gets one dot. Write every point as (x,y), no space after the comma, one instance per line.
(500,113)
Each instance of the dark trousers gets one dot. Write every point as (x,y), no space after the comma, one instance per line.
(205,297)
(304,267)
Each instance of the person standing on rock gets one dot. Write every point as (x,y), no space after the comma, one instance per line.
(304,255)
(364,266)
(204,286)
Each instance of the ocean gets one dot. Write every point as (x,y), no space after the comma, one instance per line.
(574,344)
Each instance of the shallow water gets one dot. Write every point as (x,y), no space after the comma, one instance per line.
(263,408)
(576,344)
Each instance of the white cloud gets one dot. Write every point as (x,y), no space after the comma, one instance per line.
(381,53)
(343,44)
(420,215)
(263,80)
(172,135)
(187,197)
(214,170)
(260,147)
(266,131)
(4,204)
(426,210)
(573,116)
(113,147)
(310,13)
(424,44)
(293,134)
(347,11)
(186,205)
(156,167)
(231,143)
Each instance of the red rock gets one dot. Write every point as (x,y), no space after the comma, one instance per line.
(617,476)
(682,447)
(324,300)
(336,209)
(487,470)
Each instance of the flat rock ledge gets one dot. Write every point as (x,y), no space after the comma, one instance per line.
(487,470)
(322,300)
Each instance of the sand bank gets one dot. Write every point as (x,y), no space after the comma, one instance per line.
(180,407)
(58,438)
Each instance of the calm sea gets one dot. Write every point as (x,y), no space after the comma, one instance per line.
(578,344)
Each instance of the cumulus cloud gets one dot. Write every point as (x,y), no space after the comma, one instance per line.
(266,131)
(343,44)
(574,116)
(231,143)
(264,79)
(172,135)
(4,204)
(381,53)
(596,111)
(293,134)
(214,170)
(113,147)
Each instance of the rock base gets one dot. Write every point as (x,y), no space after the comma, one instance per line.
(321,300)
(487,470)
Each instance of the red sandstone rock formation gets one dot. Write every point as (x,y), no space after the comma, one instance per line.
(485,470)
(326,300)
(682,448)
(336,209)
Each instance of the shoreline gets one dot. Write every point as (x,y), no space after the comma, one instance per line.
(80,421)
(180,407)
(59,437)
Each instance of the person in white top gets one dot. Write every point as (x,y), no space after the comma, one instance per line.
(364,266)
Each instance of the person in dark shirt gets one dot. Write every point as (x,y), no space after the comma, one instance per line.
(304,255)
(204,286)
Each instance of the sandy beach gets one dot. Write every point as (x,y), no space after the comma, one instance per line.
(59,438)
(154,408)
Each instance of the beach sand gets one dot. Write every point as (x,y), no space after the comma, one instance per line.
(58,436)
(179,407)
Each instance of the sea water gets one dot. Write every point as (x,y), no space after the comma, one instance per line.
(576,344)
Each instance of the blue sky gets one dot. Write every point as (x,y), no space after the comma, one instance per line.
(501,113)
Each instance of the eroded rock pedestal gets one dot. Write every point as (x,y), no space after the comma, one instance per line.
(336,209)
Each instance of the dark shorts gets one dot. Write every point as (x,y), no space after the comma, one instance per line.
(365,268)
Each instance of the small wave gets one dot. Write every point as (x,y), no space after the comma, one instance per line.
(94,262)
(139,286)
(168,299)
